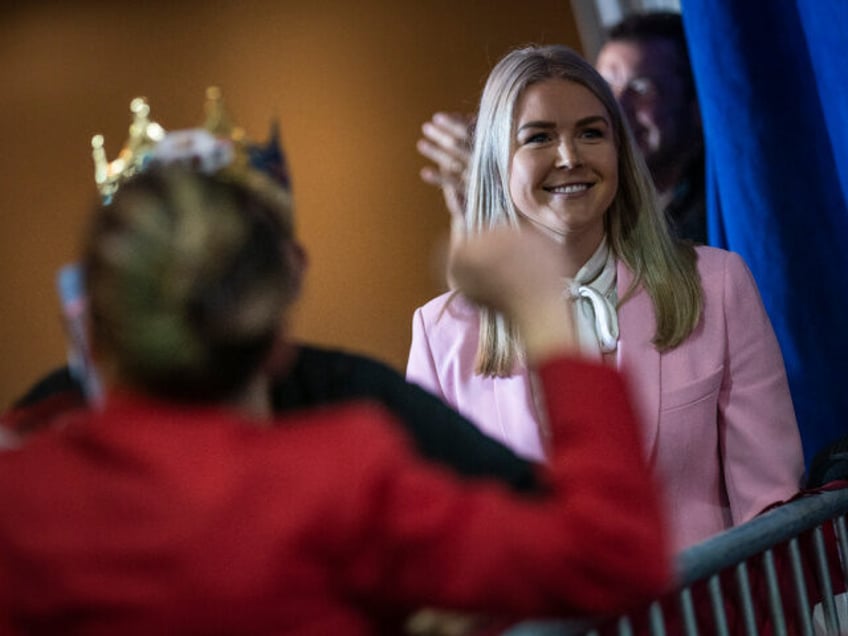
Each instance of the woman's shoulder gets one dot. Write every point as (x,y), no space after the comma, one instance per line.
(447,323)
(714,261)
(450,307)
(725,273)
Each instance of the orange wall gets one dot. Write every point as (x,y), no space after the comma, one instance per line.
(351,83)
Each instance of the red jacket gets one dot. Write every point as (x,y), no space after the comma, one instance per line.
(146,518)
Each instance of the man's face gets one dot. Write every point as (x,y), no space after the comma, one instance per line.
(645,80)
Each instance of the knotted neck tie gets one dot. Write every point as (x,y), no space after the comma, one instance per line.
(594,293)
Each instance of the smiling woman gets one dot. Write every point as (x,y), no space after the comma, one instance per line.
(552,153)
(564,167)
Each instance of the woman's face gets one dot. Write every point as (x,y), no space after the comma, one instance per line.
(564,164)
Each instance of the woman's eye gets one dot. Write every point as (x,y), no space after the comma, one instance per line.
(537,138)
(592,133)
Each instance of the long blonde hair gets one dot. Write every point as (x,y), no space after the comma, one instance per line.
(636,229)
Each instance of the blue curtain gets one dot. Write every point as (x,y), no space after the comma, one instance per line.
(772,79)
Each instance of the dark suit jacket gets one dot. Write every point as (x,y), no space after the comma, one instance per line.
(323,376)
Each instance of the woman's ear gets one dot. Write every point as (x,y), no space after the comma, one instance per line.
(297,261)
(284,351)
(282,355)
(92,364)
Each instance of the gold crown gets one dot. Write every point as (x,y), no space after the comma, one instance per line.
(145,135)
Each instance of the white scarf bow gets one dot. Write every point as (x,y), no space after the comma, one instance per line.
(593,290)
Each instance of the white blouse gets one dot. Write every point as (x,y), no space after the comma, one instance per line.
(593,290)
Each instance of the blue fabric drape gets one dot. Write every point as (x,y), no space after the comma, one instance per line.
(772,79)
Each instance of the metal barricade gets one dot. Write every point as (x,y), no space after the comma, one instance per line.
(781,574)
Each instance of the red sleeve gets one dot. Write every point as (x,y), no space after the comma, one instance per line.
(595,544)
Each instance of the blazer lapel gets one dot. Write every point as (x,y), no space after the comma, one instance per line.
(638,358)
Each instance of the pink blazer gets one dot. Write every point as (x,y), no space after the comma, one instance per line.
(718,424)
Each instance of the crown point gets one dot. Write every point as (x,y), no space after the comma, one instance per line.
(230,147)
(139,106)
(155,132)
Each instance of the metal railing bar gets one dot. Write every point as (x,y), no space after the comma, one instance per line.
(773,588)
(771,528)
(823,572)
(655,617)
(746,602)
(717,602)
(687,612)
(801,596)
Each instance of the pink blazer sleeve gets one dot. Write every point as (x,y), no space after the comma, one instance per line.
(761,444)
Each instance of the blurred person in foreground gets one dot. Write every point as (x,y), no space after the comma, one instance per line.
(182,506)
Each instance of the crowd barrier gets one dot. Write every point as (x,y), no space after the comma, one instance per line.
(783,573)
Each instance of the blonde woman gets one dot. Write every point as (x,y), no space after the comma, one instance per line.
(685,324)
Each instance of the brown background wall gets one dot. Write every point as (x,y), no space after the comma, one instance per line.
(351,83)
